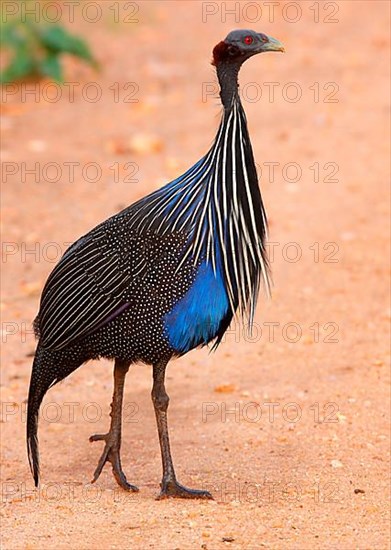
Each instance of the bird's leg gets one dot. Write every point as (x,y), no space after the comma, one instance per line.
(169,485)
(111,452)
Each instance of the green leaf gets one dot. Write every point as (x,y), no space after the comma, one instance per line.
(37,48)
(13,34)
(57,39)
(20,66)
(51,66)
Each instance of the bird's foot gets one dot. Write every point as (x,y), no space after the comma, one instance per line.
(173,489)
(111,454)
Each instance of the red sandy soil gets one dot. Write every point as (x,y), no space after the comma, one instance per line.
(315,474)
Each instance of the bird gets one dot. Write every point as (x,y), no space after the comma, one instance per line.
(165,275)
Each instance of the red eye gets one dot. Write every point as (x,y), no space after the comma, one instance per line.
(248,40)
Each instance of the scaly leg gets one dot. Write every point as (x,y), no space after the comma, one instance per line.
(169,485)
(111,452)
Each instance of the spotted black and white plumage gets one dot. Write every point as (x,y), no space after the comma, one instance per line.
(168,273)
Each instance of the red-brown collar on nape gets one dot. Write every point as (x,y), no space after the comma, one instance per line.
(224,52)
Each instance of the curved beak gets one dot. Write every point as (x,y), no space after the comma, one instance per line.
(272,45)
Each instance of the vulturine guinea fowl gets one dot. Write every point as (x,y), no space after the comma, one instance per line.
(164,276)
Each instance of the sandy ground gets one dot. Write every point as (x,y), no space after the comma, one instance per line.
(288,428)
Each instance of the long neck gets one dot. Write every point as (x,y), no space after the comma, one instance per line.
(227,74)
(217,202)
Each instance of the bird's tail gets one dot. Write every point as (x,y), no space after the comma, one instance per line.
(48,369)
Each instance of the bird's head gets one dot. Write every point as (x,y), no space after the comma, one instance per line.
(242,44)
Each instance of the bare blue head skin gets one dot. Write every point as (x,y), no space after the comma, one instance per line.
(235,49)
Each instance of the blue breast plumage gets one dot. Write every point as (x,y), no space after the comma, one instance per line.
(196,318)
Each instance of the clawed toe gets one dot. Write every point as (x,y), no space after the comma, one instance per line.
(111,454)
(98,437)
(173,489)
